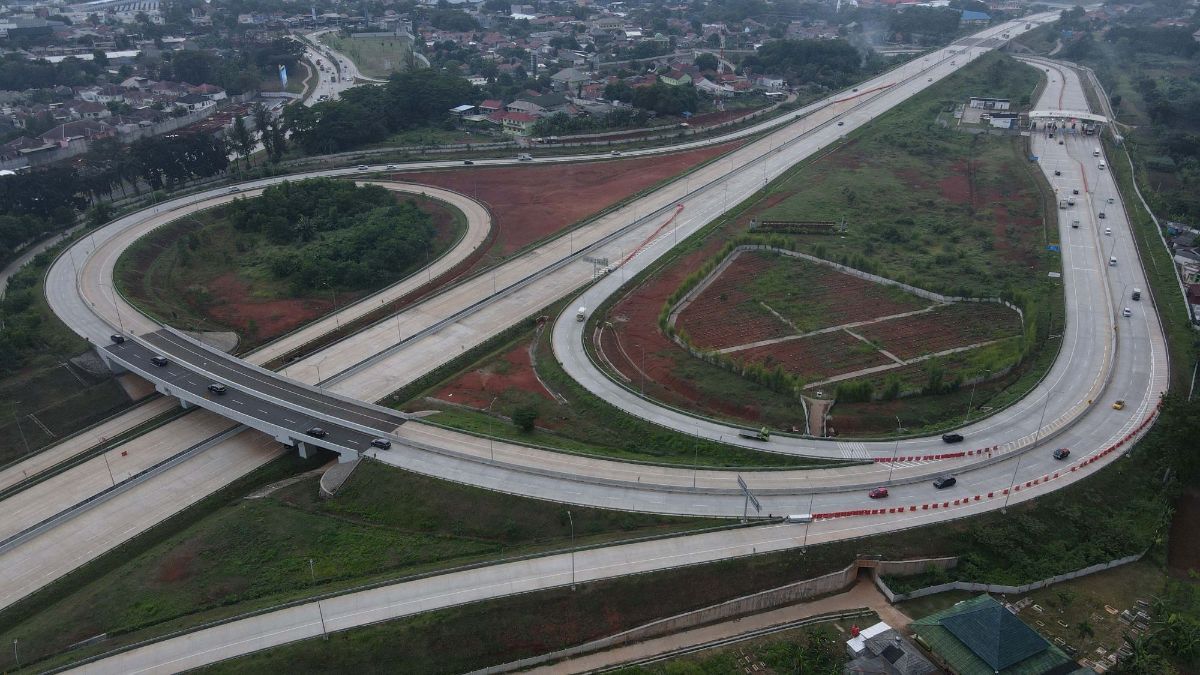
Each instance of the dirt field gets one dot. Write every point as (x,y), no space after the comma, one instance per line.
(478,388)
(819,356)
(532,202)
(1183,552)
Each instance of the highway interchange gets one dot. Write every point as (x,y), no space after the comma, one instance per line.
(1104,356)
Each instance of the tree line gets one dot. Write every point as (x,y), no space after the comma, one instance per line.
(370,114)
(828,63)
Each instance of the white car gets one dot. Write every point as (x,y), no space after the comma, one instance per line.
(1127,312)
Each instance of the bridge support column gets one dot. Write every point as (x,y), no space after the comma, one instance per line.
(185,405)
(302,449)
(113,366)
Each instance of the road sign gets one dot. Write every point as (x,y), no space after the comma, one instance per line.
(750,498)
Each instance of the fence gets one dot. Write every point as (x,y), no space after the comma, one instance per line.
(799,591)
(999,588)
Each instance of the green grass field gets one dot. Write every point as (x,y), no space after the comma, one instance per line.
(250,553)
(586,424)
(373,56)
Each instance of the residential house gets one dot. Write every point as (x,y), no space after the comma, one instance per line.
(516,123)
(210,91)
(675,78)
(880,649)
(490,106)
(87,110)
(195,102)
(65,135)
(569,79)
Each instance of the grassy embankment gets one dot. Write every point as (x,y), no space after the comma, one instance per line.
(238,553)
(1049,536)
(43,396)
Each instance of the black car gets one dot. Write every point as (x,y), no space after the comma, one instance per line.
(159,361)
(117,338)
(468,162)
(1074,191)
(952,438)
(1062,453)
(217,388)
(943,482)
(381,443)
(317,432)
(1057,172)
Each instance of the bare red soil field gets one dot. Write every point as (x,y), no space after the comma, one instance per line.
(818,356)
(945,327)
(635,320)
(529,203)
(477,388)
(258,320)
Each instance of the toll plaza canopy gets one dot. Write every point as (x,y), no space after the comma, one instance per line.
(1067,115)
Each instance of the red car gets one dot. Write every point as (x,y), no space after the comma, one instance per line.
(878,493)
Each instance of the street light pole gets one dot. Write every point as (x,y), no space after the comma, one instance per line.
(972,401)
(312,571)
(896,449)
(572,521)
(1038,434)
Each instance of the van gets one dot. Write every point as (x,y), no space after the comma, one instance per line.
(1075,224)
(1112,261)
(1101,166)
(581,314)
(1137,294)
(1096,152)
(799,518)
(362,167)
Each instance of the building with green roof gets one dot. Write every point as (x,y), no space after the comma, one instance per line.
(981,637)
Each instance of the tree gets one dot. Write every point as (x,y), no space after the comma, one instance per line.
(242,139)
(706,61)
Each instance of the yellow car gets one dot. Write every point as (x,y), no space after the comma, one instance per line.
(1119,405)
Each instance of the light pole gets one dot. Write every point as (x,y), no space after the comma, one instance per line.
(572,521)
(1037,434)
(17,420)
(896,449)
(696,460)
(312,571)
(972,401)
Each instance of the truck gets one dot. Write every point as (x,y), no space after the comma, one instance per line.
(763,434)
(581,314)
(1062,203)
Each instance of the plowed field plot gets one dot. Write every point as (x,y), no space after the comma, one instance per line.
(725,314)
(732,310)
(818,356)
(946,327)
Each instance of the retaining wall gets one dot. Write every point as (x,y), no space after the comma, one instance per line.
(999,588)
(799,591)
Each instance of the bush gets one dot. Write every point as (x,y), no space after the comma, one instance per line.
(525,417)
